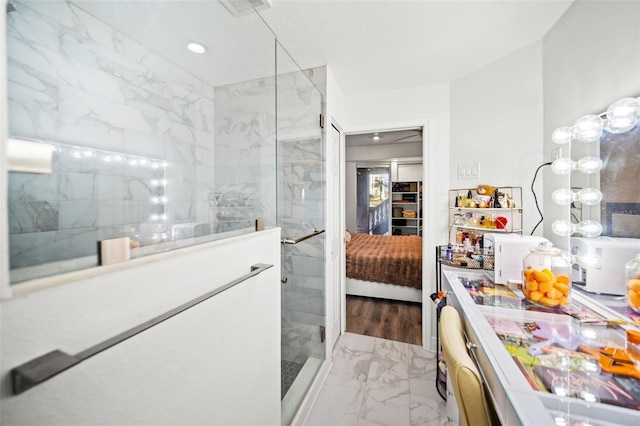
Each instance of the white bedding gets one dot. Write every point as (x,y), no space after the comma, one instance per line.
(383,290)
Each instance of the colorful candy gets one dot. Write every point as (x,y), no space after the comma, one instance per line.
(633,286)
(545,288)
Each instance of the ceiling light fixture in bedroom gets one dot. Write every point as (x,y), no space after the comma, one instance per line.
(376,137)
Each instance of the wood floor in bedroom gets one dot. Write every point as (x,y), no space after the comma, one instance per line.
(387,319)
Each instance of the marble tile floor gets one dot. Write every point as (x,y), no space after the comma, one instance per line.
(375,382)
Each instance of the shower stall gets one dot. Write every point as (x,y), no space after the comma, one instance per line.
(168,147)
(300,214)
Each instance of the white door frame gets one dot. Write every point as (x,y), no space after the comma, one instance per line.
(429,227)
(335,242)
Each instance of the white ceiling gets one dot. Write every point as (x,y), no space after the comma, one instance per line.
(371,46)
(385,45)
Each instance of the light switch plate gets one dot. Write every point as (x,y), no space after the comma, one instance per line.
(469,171)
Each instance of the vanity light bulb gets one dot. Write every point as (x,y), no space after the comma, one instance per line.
(589,196)
(622,115)
(589,165)
(563,228)
(590,228)
(562,196)
(589,128)
(562,166)
(562,135)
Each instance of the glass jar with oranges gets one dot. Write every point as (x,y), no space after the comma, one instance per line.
(546,276)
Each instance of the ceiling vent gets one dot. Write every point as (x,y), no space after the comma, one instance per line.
(244,7)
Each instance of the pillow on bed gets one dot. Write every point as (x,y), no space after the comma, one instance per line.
(347,236)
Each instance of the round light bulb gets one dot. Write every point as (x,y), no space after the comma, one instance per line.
(562,166)
(562,135)
(622,115)
(589,165)
(562,196)
(592,260)
(589,196)
(589,128)
(590,228)
(563,228)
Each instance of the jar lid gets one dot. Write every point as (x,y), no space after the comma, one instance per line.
(546,247)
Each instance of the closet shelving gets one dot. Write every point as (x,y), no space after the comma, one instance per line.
(406,208)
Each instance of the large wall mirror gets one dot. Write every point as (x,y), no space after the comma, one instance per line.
(150,140)
(604,197)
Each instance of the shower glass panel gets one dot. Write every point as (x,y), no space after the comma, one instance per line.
(151,141)
(301,189)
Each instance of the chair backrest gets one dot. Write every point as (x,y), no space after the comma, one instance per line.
(467,385)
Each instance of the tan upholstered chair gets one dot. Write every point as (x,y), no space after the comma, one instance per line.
(473,405)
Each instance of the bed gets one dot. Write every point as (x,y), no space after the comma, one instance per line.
(385,266)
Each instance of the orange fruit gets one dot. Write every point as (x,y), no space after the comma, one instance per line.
(563,279)
(535,296)
(532,285)
(634,300)
(545,286)
(540,276)
(634,284)
(554,294)
(562,287)
(549,302)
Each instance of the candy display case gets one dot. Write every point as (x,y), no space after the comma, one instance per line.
(545,366)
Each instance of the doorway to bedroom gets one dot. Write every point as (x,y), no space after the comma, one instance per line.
(383,216)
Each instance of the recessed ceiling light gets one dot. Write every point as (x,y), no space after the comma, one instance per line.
(196,47)
(376,137)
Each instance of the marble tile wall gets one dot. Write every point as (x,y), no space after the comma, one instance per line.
(244,155)
(74,80)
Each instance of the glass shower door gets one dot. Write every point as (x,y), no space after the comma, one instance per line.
(300,214)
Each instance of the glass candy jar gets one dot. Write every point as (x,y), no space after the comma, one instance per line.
(547,272)
(632,272)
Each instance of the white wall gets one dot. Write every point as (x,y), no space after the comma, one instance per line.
(496,120)
(217,363)
(591,59)
(412,107)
